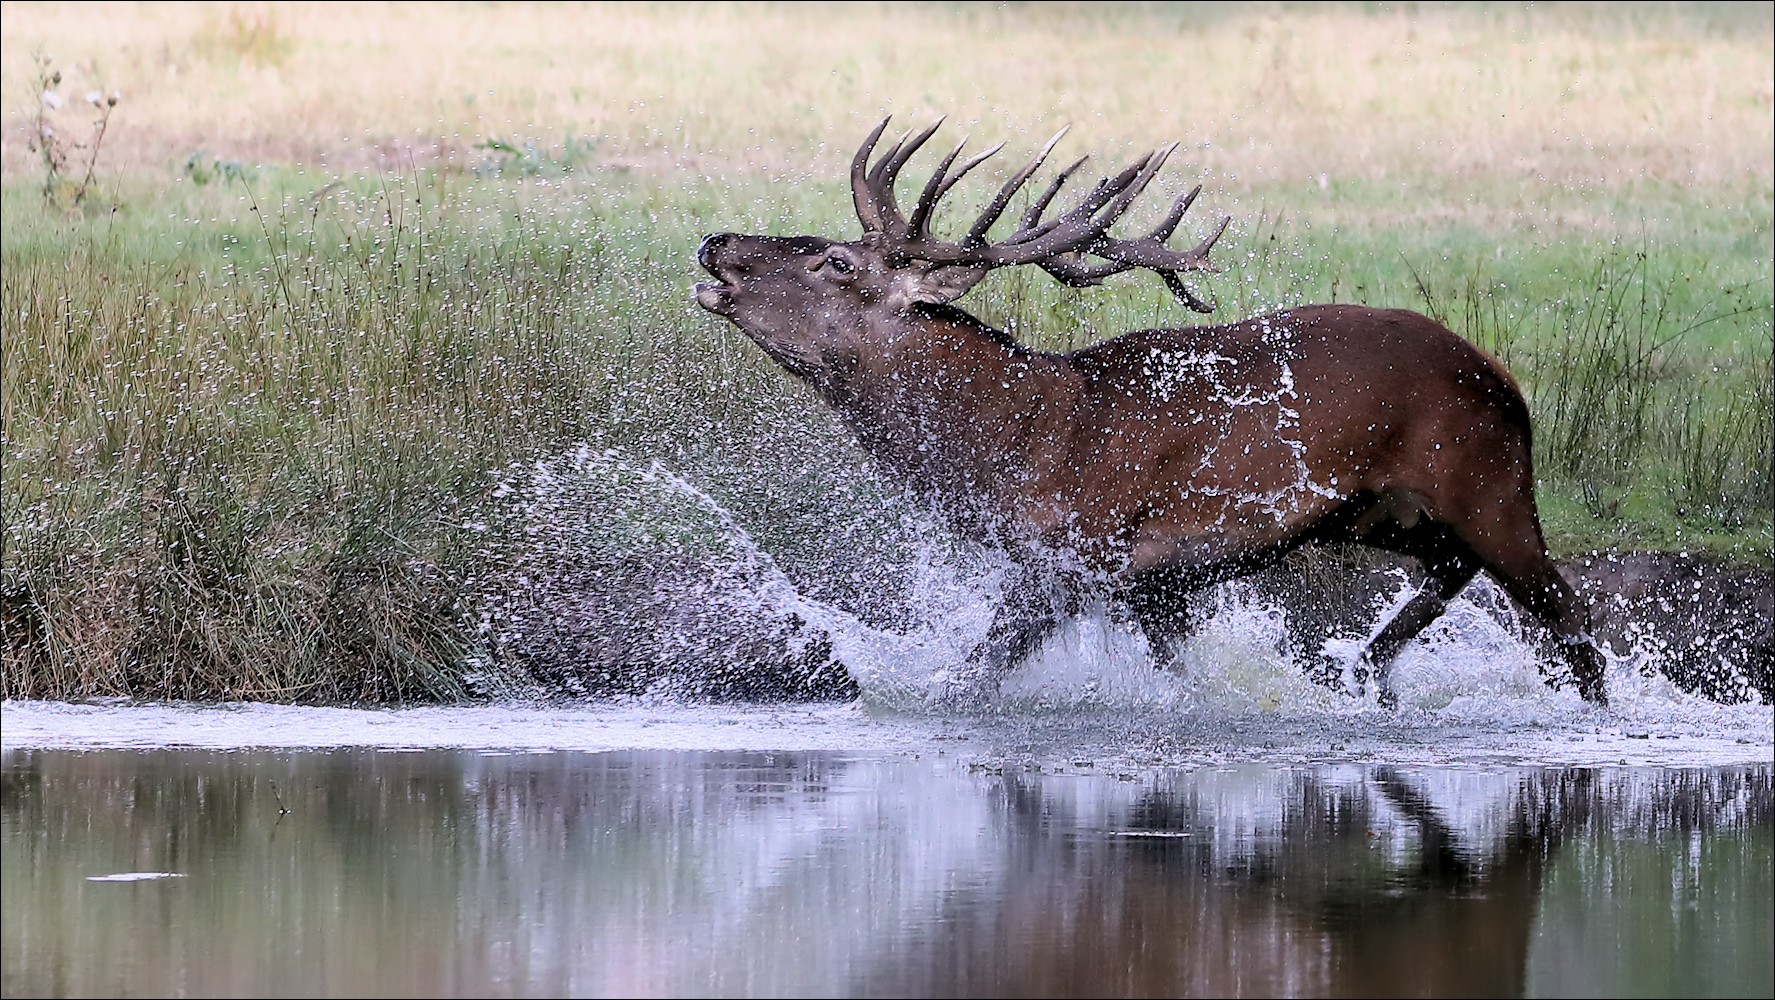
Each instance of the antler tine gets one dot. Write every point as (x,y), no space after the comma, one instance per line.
(868,212)
(1200,253)
(1149,168)
(887,157)
(1172,218)
(1071,270)
(884,201)
(1107,201)
(1033,216)
(961,171)
(977,232)
(886,210)
(933,190)
(1173,282)
(1152,253)
(881,179)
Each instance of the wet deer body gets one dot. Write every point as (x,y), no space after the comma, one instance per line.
(1160,461)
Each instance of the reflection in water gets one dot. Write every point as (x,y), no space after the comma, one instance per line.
(445,872)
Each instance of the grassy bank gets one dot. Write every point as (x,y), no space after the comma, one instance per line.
(272,401)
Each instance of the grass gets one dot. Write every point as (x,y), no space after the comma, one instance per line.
(270,399)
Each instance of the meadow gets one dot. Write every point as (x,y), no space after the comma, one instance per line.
(284,360)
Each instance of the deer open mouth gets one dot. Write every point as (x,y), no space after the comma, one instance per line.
(715,296)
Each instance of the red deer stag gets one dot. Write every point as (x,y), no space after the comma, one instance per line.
(1161,461)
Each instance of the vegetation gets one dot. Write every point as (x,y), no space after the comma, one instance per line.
(276,385)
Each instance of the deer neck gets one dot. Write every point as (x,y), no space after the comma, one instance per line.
(952,404)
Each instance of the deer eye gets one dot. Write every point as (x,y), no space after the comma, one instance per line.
(840,265)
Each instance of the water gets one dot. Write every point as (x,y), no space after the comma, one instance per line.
(925,864)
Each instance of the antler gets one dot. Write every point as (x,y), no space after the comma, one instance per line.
(1059,246)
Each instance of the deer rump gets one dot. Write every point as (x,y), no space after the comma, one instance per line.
(1161,461)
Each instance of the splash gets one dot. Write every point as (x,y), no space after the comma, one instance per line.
(628,564)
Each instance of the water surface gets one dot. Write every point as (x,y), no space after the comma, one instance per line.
(898,870)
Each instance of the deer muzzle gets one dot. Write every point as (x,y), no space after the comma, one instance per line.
(715,296)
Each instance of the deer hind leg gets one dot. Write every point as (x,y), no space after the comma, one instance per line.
(1536,585)
(1509,545)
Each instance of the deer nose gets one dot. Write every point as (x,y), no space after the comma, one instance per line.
(711,243)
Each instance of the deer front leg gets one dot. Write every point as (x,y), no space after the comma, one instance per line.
(1450,572)
(1160,602)
(1030,613)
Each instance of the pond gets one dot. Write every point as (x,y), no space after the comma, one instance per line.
(830,850)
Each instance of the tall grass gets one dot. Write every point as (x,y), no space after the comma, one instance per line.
(1642,393)
(239,475)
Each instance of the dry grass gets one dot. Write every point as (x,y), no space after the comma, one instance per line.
(1545,99)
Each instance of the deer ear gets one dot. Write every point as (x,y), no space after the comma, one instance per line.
(936,284)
